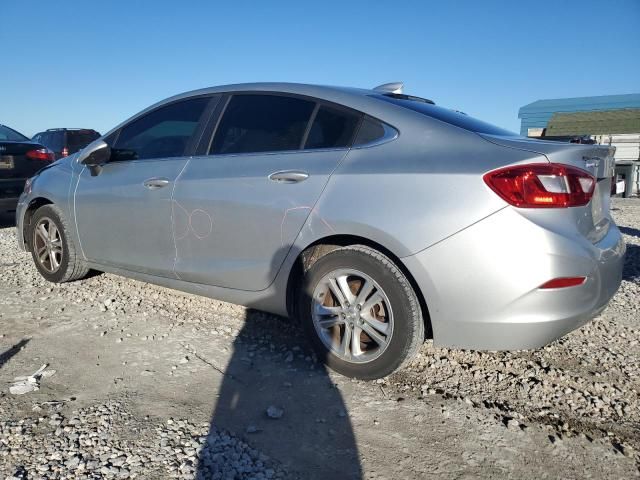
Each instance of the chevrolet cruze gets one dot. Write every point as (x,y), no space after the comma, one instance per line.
(375,217)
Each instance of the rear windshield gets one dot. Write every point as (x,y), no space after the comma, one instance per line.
(53,140)
(77,140)
(11,135)
(445,115)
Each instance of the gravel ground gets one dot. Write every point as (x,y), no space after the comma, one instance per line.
(151,383)
(91,443)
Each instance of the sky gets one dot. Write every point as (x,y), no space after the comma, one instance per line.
(94,64)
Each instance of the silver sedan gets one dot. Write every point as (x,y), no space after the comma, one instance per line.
(376,218)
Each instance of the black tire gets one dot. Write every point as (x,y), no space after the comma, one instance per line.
(408,325)
(71,266)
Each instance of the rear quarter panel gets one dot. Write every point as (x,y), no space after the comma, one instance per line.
(414,191)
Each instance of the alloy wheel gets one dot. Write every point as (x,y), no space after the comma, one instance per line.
(352,315)
(47,244)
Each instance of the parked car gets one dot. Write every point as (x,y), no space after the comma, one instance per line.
(374,217)
(66,141)
(20,158)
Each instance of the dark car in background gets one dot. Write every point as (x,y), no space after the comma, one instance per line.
(66,141)
(20,158)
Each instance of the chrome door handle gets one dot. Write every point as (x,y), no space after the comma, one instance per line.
(289,176)
(156,182)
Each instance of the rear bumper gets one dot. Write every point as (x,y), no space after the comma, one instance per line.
(20,209)
(8,204)
(481,285)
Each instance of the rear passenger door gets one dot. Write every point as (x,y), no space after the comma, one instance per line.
(240,204)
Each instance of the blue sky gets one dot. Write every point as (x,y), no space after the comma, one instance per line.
(93,64)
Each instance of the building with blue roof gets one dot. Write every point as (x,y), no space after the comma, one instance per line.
(609,119)
(536,115)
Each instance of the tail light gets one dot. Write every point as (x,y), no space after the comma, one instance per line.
(65,152)
(41,154)
(542,185)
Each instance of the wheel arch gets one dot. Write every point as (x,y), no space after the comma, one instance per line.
(34,205)
(320,247)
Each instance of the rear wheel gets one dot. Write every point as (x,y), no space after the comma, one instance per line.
(52,249)
(361,313)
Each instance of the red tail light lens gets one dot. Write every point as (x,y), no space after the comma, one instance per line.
(563,282)
(41,154)
(542,185)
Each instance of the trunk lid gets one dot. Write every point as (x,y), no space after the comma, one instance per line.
(593,219)
(595,159)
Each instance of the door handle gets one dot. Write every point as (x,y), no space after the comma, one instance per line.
(289,176)
(156,182)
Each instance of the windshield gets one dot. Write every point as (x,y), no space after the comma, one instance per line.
(11,135)
(452,117)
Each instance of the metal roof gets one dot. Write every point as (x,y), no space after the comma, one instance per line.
(594,123)
(603,102)
(538,113)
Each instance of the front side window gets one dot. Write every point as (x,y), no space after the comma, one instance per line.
(163,133)
(332,128)
(262,123)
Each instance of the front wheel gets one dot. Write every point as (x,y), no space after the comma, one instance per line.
(52,249)
(361,313)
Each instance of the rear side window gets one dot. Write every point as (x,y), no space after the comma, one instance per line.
(41,138)
(445,115)
(78,139)
(262,123)
(165,132)
(332,128)
(371,130)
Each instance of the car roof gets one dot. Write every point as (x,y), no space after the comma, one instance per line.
(341,95)
(284,87)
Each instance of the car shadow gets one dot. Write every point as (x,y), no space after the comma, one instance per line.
(279,398)
(9,353)
(631,270)
(633,232)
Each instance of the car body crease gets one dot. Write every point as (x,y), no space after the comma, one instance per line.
(455,233)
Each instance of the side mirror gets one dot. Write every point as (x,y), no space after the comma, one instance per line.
(94,155)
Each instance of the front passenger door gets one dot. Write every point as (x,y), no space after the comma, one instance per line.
(123,214)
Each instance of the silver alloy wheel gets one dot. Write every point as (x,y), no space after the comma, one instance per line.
(47,243)
(352,315)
